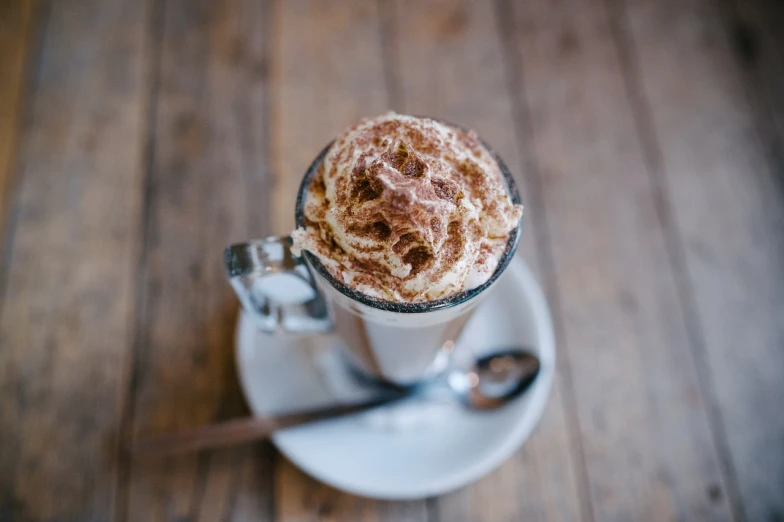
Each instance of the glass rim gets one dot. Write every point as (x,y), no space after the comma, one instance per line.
(403,307)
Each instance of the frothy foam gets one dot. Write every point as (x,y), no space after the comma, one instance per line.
(407,209)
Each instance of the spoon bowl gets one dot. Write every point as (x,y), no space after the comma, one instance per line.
(496,379)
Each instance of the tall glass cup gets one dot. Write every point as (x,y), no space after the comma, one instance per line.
(390,341)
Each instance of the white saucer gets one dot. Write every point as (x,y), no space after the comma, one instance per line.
(418,449)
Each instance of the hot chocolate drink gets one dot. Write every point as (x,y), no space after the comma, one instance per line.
(408,210)
(404,225)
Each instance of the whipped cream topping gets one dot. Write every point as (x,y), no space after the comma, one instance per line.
(407,209)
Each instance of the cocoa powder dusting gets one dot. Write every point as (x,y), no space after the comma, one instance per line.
(417,257)
(406,240)
(446,189)
(400,202)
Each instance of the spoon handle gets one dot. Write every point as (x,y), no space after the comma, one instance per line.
(245,429)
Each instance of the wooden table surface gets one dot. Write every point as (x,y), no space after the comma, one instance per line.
(138,138)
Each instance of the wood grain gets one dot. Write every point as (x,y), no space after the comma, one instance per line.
(450,64)
(647,138)
(316,94)
(67,302)
(718,159)
(17,27)
(649,451)
(207,156)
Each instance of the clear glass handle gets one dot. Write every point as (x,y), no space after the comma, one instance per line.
(275,287)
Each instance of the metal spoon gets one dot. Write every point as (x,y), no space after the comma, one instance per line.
(491,382)
(488,383)
(495,379)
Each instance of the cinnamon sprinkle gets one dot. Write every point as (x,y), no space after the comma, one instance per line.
(406,208)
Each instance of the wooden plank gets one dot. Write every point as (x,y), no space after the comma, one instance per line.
(302,499)
(450,65)
(649,449)
(68,294)
(326,74)
(205,191)
(17,23)
(716,148)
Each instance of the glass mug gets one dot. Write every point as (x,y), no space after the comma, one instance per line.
(398,343)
